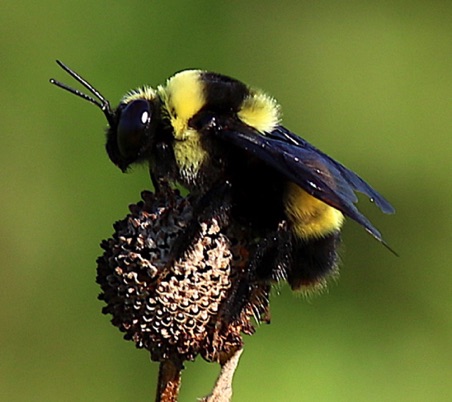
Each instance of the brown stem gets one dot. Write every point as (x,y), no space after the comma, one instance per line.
(222,391)
(169,381)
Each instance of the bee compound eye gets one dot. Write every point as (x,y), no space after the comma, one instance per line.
(133,124)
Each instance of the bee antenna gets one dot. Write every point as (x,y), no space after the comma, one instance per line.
(100,102)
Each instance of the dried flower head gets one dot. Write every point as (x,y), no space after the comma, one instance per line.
(199,304)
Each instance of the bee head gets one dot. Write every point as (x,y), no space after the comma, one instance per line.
(131,125)
(131,136)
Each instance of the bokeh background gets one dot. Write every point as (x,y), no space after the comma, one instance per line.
(368,82)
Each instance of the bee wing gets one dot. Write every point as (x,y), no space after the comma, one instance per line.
(354,181)
(300,162)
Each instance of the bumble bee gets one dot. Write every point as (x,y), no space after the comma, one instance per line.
(223,141)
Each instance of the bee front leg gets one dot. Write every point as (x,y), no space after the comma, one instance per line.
(216,204)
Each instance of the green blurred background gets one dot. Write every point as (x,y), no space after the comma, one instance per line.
(368,82)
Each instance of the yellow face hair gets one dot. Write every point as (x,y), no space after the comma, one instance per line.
(145,92)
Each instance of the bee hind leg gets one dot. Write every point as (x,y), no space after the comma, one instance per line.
(272,257)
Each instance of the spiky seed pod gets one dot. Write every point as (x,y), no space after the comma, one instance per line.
(200,304)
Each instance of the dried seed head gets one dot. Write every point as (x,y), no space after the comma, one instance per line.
(200,304)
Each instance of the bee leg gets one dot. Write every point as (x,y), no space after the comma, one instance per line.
(161,185)
(269,262)
(215,204)
(238,297)
(315,260)
(244,291)
(273,255)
